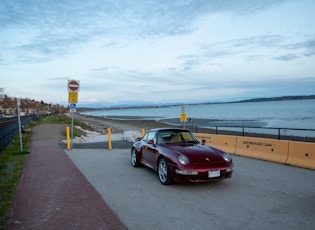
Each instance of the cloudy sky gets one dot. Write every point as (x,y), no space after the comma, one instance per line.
(157,51)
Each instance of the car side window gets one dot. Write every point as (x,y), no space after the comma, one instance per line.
(151,136)
(145,137)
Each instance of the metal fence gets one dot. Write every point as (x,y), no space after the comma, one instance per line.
(305,135)
(9,128)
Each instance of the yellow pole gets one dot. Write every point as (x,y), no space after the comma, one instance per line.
(68,137)
(109,139)
(142,132)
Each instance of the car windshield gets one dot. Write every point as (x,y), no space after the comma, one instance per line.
(175,136)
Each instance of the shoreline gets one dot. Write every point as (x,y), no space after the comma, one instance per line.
(200,122)
(119,124)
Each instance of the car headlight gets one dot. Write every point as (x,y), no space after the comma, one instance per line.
(227,157)
(183,160)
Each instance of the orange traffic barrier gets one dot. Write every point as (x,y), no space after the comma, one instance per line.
(223,142)
(204,136)
(301,154)
(262,148)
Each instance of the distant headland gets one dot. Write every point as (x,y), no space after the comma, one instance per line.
(284,98)
(263,99)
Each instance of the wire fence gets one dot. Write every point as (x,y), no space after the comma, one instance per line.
(304,135)
(9,128)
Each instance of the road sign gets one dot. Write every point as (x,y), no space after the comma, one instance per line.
(73,108)
(73,85)
(73,97)
(183,117)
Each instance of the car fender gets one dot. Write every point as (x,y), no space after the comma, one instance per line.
(170,155)
(137,146)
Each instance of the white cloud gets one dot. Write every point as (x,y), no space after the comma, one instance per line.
(156,51)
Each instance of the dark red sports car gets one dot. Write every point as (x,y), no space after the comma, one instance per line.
(176,155)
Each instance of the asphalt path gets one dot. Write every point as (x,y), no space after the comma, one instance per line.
(260,195)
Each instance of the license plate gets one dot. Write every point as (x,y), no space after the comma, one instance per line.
(215,173)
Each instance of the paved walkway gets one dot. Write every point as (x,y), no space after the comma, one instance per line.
(54,194)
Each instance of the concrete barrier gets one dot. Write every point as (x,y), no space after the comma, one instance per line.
(223,142)
(301,154)
(264,149)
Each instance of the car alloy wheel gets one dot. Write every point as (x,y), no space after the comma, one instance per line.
(134,159)
(163,172)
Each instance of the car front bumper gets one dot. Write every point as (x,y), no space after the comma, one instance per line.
(180,175)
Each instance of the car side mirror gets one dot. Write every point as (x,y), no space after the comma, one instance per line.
(151,142)
(138,138)
(203,142)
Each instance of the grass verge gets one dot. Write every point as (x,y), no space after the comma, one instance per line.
(11,167)
(12,162)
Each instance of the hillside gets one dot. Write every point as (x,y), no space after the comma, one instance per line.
(284,98)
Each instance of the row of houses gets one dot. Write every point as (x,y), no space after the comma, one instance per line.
(8,107)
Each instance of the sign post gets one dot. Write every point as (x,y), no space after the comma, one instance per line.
(18,103)
(183,117)
(73,89)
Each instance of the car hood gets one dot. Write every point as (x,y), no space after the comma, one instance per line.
(198,153)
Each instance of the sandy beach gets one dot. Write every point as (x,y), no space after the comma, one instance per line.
(131,123)
(120,124)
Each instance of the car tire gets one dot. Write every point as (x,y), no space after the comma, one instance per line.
(163,172)
(134,158)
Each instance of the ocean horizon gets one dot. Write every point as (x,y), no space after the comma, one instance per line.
(295,114)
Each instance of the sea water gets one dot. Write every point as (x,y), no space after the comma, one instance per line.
(296,114)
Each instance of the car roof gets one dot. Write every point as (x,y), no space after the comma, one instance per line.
(164,129)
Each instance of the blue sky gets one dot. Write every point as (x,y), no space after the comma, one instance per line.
(157,51)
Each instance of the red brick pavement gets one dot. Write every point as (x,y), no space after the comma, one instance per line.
(54,194)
